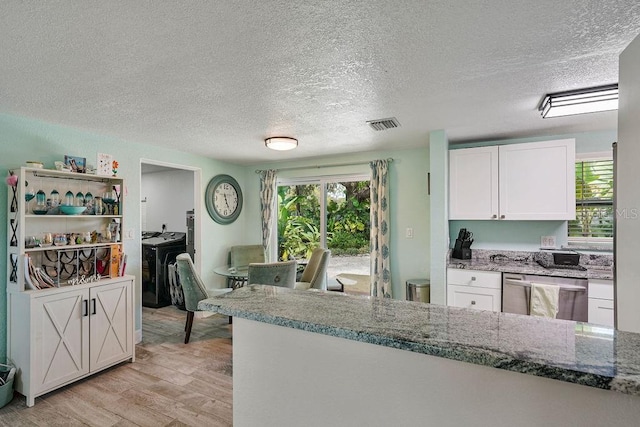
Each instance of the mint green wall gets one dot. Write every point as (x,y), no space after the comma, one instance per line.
(439,164)
(525,235)
(409,204)
(22,139)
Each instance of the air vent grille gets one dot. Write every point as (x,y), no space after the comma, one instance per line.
(384,124)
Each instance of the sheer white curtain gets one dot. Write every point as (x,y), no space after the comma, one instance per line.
(267,192)
(380,269)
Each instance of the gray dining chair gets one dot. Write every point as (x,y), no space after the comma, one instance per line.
(193,289)
(273,273)
(314,275)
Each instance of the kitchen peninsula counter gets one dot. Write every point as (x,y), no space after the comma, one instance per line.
(417,344)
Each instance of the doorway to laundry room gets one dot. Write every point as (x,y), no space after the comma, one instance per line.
(168,223)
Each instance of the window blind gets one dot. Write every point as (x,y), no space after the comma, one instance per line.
(594,200)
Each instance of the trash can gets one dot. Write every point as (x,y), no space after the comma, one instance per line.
(419,290)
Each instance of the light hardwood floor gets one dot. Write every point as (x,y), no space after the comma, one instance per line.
(170,384)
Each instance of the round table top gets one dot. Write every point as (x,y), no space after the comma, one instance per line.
(228,271)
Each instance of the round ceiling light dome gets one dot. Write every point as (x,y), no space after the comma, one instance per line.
(281,143)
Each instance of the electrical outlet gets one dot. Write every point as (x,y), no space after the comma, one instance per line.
(409,233)
(130,234)
(548,242)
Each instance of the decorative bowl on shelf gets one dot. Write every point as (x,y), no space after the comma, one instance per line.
(72,210)
(40,211)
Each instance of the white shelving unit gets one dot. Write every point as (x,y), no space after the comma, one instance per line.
(83,322)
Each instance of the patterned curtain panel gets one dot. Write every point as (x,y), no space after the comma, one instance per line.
(267,191)
(380,269)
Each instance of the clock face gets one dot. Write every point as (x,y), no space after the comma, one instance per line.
(223,199)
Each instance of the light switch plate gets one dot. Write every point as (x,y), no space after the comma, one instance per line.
(548,242)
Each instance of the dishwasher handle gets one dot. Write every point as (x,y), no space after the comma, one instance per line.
(526,284)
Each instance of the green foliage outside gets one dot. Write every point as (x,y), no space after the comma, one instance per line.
(347,219)
(594,197)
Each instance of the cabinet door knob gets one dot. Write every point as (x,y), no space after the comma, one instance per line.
(501,216)
(494,216)
(473,303)
(473,277)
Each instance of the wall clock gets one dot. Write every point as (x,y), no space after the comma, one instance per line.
(223,199)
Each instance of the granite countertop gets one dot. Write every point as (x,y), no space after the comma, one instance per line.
(597,266)
(593,272)
(574,352)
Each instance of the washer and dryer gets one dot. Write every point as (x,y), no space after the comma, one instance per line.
(157,253)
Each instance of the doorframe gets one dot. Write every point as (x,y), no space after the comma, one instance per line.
(197,204)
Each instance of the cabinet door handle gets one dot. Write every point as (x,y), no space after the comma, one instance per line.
(473,278)
(494,216)
(85,307)
(501,216)
(473,303)
(93,304)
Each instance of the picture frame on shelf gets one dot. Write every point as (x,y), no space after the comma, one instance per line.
(77,164)
(104,164)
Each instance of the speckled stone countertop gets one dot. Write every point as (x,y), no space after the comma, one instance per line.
(597,266)
(568,351)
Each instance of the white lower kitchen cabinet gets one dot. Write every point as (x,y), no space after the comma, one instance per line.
(60,335)
(481,290)
(601,309)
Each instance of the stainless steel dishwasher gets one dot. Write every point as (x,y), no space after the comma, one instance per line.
(573,301)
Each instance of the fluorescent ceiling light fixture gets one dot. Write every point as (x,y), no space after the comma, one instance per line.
(281,143)
(591,100)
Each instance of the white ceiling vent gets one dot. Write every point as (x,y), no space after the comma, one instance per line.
(384,124)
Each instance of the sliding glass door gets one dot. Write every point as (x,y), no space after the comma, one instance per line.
(331,212)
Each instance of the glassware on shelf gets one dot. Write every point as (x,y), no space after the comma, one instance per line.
(60,240)
(29,195)
(46,240)
(55,198)
(79,199)
(41,203)
(98,206)
(69,198)
(109,198)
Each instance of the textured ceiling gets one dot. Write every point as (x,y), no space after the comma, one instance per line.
(217,77)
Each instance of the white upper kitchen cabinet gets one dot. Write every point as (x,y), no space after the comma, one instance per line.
(530,181)
(473,183)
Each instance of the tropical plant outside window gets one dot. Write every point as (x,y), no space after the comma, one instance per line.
(594,201)
(300,219)
(332,213)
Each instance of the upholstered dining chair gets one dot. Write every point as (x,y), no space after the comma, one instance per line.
(314,275)
(273,273)
(193,289)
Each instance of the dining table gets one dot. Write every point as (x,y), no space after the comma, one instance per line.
(236,276)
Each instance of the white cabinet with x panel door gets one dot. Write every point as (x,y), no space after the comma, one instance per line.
(62,335)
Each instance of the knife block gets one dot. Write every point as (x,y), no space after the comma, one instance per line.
(459,252)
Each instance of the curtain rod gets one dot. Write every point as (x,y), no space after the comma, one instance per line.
(324,166)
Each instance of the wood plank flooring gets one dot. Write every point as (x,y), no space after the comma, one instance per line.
(170,384)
